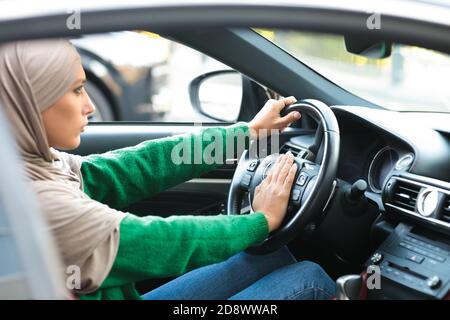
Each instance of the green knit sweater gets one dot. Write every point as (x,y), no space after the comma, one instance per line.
(154,247)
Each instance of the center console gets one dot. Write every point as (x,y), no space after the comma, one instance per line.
(414,264)
(414,260)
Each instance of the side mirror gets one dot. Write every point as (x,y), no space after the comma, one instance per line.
(218,95)
(368,47)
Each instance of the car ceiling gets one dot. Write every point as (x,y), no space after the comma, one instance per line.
(429,22)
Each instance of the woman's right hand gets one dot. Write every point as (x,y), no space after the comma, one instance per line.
(272,195)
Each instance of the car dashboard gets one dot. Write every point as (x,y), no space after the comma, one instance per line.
(365,154)
(401,159)
(405,162)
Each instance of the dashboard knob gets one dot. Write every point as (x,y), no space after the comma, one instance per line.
(428,201)
(433,282)
(376,258)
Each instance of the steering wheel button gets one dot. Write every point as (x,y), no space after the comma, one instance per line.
(295,194)
(302,178)
(252,166)
(246,180)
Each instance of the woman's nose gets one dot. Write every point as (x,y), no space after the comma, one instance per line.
(90,107)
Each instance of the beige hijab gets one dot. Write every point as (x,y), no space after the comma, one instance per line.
(33,76)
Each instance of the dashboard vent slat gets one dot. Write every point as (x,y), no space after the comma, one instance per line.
(405,205)
(405,195)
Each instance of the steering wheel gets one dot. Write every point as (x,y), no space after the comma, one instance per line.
(314,179)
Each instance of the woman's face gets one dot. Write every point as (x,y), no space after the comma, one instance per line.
(66,118)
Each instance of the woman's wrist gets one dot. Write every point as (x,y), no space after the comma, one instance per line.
(272,225)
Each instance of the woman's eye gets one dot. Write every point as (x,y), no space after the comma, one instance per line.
(78,90)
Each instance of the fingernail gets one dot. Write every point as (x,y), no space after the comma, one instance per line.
(296,114)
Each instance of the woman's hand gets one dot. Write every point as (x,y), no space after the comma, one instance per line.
(269,118)
(272,195)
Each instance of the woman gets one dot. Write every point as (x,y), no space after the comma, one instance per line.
(42,92)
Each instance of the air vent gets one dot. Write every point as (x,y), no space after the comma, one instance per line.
(405,195)
(446,209)
(285,148)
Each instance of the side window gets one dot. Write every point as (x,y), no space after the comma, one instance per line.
(140,76)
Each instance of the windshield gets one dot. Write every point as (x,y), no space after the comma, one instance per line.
(411,79)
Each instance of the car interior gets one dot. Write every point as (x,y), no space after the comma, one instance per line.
(373,192)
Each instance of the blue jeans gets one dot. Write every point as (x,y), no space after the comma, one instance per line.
(274,276)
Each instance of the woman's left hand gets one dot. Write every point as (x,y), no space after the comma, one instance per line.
(269,117)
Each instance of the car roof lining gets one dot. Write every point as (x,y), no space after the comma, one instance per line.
(396,29)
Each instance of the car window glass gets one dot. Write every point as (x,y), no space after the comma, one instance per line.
(410,79)
(140,76)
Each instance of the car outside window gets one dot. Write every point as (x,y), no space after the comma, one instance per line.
(411,79)
(140,76)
